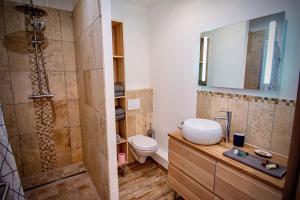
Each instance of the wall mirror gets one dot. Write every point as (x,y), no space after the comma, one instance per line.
(246,55)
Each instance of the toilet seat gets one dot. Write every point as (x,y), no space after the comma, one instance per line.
(141,147)
(143,143)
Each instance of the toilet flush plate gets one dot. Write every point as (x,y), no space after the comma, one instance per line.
(134,104)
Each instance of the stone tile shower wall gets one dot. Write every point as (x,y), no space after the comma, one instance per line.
(91,89)
(138,121)
(15,87)
(267,122)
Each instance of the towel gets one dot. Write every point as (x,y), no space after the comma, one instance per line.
(120,111)
(119,94)
(119,87)
(120,117)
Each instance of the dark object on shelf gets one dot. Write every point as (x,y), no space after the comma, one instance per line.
(256,163)
(238,139)
(4,187)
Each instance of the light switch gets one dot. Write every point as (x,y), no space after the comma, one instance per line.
(134,104)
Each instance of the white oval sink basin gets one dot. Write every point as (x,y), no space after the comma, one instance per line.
(202,131)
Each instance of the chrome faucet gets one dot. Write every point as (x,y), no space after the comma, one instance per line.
(228,123)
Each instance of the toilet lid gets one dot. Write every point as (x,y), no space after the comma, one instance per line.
(143,142)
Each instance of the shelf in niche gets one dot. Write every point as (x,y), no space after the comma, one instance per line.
(121,164)
(121,119)
(119,83)
(118,57)
(120,97)
(120,101)
(122,141)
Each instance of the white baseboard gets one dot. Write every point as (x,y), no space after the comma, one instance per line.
(161,157)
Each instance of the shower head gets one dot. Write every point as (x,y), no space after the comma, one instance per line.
(38,25)
(31,10)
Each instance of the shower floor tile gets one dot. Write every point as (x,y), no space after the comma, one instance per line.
(78,187)
(143,182)
(55,175)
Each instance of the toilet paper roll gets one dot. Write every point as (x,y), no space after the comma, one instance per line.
(121,158)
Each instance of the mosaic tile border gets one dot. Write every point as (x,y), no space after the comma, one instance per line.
(44,110)
(249,98)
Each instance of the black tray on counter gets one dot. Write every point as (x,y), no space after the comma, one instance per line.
(255,162)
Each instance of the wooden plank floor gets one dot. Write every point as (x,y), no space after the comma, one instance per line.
(146,182)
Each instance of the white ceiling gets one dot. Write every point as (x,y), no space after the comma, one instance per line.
(145,3)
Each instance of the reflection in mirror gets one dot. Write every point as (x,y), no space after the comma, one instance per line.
(247,55)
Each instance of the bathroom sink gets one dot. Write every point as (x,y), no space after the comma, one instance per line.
(202,131)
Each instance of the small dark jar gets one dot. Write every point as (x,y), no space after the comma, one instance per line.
(238,139)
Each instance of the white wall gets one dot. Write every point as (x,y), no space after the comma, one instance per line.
(109,94)
(136,41)
(175,27)
(227,55)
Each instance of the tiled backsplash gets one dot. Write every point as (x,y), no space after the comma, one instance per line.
(267,122)
(138,121)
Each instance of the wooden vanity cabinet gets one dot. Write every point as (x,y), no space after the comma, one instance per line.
(194,164)
(186,186)
(194,175)
(231,184)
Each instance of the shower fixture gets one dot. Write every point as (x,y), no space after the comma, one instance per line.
(31,10)
(38,26)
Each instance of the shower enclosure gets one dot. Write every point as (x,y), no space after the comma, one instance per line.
(41,95)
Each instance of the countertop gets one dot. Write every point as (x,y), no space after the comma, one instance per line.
(216,152)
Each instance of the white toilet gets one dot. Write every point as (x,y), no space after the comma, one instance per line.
(141,147)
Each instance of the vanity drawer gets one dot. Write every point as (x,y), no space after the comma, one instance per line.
(196,165)
(216,197)
(185,186)
(231,184)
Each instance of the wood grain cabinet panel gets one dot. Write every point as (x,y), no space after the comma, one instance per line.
(187,187)
(231,184)
(199,167)
(216,198)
